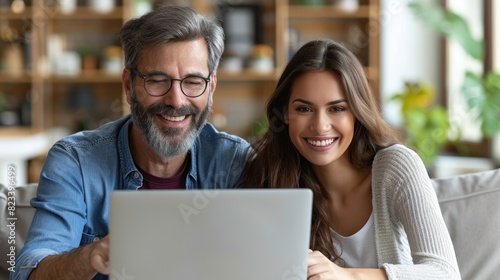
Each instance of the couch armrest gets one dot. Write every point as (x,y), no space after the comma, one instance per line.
(470,205)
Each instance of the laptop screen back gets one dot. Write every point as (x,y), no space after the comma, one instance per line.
(210,234)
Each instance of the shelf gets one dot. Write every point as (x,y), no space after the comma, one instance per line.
(16,131)
(253,76)
(87,26)
(86,13)
(246,75)
(326,12)
(8,14)
(371,73)
(80,13)
(11,78)
(97,76)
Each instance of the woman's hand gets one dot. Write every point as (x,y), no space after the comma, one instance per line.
(320,267)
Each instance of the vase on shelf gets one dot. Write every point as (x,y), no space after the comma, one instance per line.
(102,6)
(67,6)
(346,5)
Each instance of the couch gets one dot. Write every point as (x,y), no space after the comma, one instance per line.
(470,205)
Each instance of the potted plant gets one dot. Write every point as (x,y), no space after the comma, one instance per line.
(481,91)
(425,123)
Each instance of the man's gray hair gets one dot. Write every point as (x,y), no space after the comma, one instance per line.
(166,24)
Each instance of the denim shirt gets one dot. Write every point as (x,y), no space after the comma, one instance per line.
(82,170)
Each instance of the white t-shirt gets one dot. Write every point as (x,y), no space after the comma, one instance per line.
(357,250)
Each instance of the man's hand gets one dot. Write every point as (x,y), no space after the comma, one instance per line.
(82,263)
(99,256)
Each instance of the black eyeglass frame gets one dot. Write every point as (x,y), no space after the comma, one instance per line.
(144,77)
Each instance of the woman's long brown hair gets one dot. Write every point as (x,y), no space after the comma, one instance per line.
(277,164)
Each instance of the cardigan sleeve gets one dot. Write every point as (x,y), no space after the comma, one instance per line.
(422,247)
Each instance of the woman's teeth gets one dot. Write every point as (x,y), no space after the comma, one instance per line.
(321,143)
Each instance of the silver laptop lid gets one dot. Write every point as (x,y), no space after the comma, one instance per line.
(210,234)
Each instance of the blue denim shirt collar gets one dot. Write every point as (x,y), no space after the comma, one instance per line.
(129,170)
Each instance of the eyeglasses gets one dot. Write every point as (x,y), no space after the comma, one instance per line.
(160,84)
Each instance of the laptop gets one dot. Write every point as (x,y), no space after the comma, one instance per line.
(210,234)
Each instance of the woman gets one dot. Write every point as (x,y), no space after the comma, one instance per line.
(375,213)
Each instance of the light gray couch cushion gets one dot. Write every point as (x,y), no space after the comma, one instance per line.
(470,205)
(23,214)
(471,209)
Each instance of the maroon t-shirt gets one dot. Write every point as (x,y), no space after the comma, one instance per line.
(177,182)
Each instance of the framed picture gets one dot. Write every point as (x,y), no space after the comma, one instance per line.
(241,26)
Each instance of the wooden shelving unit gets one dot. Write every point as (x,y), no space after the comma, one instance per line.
(49,89)
(239,98)
(308,22)
(97,76)
(359,30)
(327,12)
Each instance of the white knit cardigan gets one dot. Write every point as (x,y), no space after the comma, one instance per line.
(411,238)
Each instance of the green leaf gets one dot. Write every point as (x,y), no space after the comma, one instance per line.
(483,95)
(431,15)
(449,24)
(492,83)
(473,90)
(457,28)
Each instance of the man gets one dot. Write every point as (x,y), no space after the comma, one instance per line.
(171,57)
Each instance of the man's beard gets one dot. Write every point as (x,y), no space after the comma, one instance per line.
(163,141)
